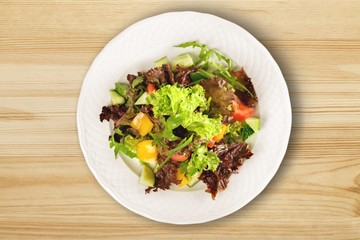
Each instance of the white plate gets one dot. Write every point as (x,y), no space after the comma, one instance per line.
(135,49)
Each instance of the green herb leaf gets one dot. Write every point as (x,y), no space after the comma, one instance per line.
(205,60)
(125,145)
(205,73)
(158,139)
(189,44)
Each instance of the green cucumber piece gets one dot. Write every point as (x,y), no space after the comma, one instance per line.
(142,99)
(116,98)
(161,61)
(184,60)
(254,123)
(194,179)
(152,164)
(121,88)
(147,176)
(246,131)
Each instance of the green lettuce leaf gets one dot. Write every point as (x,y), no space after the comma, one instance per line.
(173,99)
(200,160)
(185,107)
(202,125)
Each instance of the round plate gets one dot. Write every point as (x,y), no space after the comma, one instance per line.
(136,49)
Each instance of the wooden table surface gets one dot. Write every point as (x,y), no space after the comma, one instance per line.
(46,188)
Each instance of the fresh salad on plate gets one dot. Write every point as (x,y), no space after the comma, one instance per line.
(187,119)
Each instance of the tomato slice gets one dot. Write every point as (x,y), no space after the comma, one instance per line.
(211,143)
(150,88)
(180,157)
(241,111)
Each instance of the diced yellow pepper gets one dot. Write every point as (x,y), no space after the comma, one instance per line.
(218,137)
(181,177)
(146,152)
(142,123)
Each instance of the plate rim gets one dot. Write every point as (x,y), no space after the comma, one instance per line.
(109,190)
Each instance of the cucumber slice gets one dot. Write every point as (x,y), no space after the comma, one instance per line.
(121,88)
(152,164)
(147,176)
(142,99)
(116,98)
(184,60)
(254,123)
(161,61)
(194,179)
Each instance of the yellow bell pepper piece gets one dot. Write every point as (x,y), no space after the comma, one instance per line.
(181,177)
(142,123)
(146,152)
(220,135)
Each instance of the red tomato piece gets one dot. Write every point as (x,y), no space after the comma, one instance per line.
(150,88)
(241,111)
(211,143)
(180,157)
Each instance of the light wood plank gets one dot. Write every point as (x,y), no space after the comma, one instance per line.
(46,188)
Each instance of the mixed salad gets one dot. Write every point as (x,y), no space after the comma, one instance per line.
(185,120)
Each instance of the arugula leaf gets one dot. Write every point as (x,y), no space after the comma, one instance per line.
(224,73)
(205,61)
(206,53)
(125,145)
(205,73)
(158,139)
(225,59)
(190,44)
(130,143)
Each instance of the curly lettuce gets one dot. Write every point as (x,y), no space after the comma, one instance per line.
(173,99)
(200,160)
(178,106)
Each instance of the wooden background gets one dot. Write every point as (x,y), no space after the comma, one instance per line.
(46,188)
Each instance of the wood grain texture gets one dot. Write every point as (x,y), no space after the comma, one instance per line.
(48,192)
